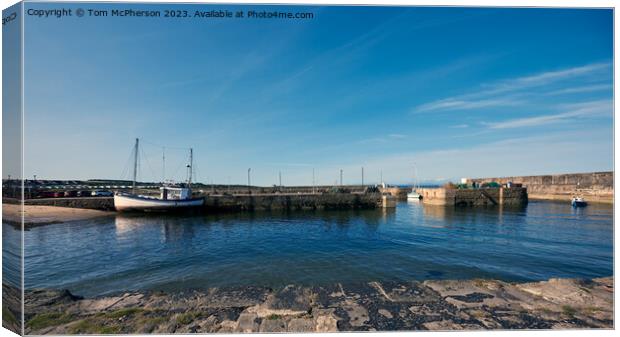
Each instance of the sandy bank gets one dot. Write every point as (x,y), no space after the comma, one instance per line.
(374,306)
(40,215)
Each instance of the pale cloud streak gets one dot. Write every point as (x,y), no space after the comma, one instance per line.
(579,110)
(516,91)
(461,104)
(587,88)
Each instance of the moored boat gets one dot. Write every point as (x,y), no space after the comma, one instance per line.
(413,195)
(578,202)
(133,202)
(171,198)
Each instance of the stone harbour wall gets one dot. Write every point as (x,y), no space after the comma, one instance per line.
(99,203)
(594,187)
(235,203)
(514,196)
(230,203)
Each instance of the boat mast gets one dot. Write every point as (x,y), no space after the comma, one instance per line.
(415,177)
(191,167)
(135,166)
(163,170)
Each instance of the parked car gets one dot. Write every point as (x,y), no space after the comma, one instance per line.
(71,194)
(46,194)
(59,194)
(84,193)
(102,193)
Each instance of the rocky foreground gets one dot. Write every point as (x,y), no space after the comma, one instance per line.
(429,305)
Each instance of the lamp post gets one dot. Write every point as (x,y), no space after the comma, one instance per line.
(362,176)
(249,182)
(340,177)
(313,183)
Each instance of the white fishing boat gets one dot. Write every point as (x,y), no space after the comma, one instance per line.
(578,202)
(414,195)
(171,197)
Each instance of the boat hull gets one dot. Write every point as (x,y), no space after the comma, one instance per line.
(413,196)
(579,204)
(125,203)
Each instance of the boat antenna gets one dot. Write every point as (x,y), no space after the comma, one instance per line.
(163,158)
(135,166)
(191,167)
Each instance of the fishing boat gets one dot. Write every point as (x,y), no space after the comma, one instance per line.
(578,202)
(414,195)
(171,198)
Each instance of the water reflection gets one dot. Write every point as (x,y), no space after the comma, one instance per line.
(172,228)
(412,241)
(180,227)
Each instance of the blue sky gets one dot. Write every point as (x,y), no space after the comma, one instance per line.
(457,92)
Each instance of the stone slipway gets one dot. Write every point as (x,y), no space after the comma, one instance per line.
(376,306)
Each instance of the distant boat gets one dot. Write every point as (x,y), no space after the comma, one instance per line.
(578,202)
(171,197)
(414,195)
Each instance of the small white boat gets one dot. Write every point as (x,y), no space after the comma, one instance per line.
(578,202)
(413,195)
(171,198)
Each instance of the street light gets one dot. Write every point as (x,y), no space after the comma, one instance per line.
(362,176)
(313,183)
(249,184)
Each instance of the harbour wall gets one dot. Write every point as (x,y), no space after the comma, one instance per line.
(594,187)
(100,203)
(515,196)
(235,203)
(398,192)
(232,203)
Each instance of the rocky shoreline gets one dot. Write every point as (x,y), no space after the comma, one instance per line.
(384,306)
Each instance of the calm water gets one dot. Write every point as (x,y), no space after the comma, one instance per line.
(120,253)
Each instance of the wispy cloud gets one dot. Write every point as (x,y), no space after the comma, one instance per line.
(579,110)
(461,104)
(582,89)
(515,91)
(553,76)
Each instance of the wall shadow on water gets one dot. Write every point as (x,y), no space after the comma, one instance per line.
(181,226)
